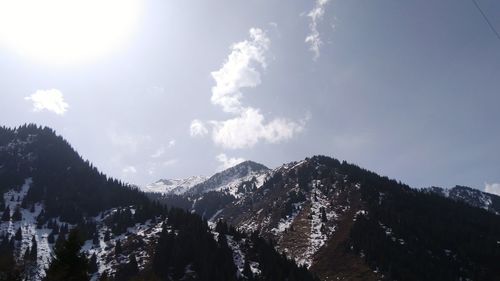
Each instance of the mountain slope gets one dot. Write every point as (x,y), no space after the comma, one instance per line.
(48,191)
(230,179)
(211,195)
(174,186)
(471,196)
(348,223)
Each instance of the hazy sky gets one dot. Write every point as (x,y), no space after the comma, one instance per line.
(163,89)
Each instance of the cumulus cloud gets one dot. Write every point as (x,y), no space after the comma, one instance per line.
(198,128)
(249,128)
(239,71)
(227,162)
(314,38)
(129,170)
(51,100)
(493,188)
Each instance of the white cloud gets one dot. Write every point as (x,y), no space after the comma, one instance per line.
(198,128)
(161,151)
(129,170)
(249,128)
(227,162)
(493,188)
(50,100)
(239,71)
(170,162)
(129,143)
(158,153)
(313,38)
(171,143)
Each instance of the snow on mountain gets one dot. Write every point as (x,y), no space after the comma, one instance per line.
(230,180)
(174,186)
(28,228)
(471,196)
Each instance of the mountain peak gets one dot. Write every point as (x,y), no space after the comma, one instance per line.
(254,166)
(174,186)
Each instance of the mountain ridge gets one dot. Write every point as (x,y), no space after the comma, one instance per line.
(54,204)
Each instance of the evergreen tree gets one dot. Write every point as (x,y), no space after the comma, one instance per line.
(247,272)
(95,239)
(93,264)
(6,214)
(68,264)
(104,276)
(51,238)
(34,250)
(118,247)
(107,235)
(61,239)
(26,256)
(324,218)
(19,234)
(17,216)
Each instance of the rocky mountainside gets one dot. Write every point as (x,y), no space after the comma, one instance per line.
(209,196)
(174,186)
(230,180)
(346,223)
(471,196)
(61,219)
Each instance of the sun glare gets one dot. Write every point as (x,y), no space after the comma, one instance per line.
(66,31)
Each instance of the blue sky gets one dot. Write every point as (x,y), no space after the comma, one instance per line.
(408,89)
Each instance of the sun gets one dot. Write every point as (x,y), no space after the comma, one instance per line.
(66,31)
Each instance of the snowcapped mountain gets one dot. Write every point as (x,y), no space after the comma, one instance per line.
(57,209)
(174,186)
(227,181)
(231,179)
(337,220)
(471,196)
(346,223)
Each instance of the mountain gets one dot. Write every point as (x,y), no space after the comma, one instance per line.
(231,179)
(346,223)
(318,218)
(471,196)
(211,195)
(174,186)
(61,219)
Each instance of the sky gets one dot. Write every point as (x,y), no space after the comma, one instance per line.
(168,89)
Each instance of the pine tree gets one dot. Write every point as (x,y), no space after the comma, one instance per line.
(19,234)
(6,214)
(51,238)
(104,276)
(60,240)
(118,248)
(26,256)
(107,235)
(34,250)
(17,216)
(93,264)
(324,218)
(68,264)
(95,239)
(247,271)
